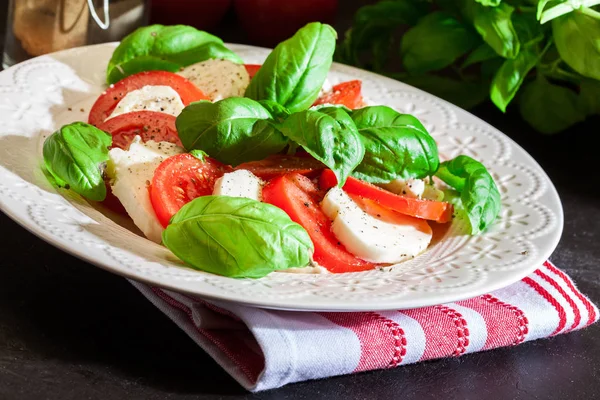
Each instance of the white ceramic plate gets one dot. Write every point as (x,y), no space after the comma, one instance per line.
(40,95)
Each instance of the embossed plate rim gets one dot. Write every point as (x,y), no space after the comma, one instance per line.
(532,221)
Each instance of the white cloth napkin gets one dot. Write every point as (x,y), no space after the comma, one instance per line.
(264,349)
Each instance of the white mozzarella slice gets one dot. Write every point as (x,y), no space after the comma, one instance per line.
(150,98)
(373,233)
(240,183)
(416,188)
(131,172)
(218,79)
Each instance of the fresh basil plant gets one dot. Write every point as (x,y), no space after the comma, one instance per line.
(468,50)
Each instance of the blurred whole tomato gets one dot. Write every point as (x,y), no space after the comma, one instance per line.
(268,22)
(202,14)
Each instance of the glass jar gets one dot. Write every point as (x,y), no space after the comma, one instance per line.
(36,27)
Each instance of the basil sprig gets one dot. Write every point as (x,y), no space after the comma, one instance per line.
(167,48)
(330,136)
(479,194)
(233,130)
(396,146)
(73,156)
(294,72)
(237,237)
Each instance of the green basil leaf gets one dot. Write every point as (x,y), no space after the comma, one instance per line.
(436,42)
(237,237)
(293,73)
(158,47)
(577,38)
(73,154)
(549,108)
(482,53)
(396,146)
(233,130)
(510,76)
(463,94)
(479,194)
(330,136)
(495,27)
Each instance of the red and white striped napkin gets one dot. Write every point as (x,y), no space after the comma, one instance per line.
(265,349)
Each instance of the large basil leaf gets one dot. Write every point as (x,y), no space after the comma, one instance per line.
(237,237)
(549,108)
(396,146)
(294,72)
(233,130)
(435,42)
(495,27)
(510,76)
(158,47)
(577,38)
(73,155)
(330,136)
(479,194)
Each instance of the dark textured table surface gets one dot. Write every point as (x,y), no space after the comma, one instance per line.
(69,330)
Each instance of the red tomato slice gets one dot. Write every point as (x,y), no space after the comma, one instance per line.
(346,93)
(299,197)
(438,211)
(180,179)
(279,164)
(106,103)
(150,125)
(252,69)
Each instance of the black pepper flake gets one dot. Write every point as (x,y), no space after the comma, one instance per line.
(524,253)
(306,204)
(379,215)
(70,109)
(82,110)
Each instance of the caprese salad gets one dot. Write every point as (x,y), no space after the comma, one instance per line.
(242,170)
